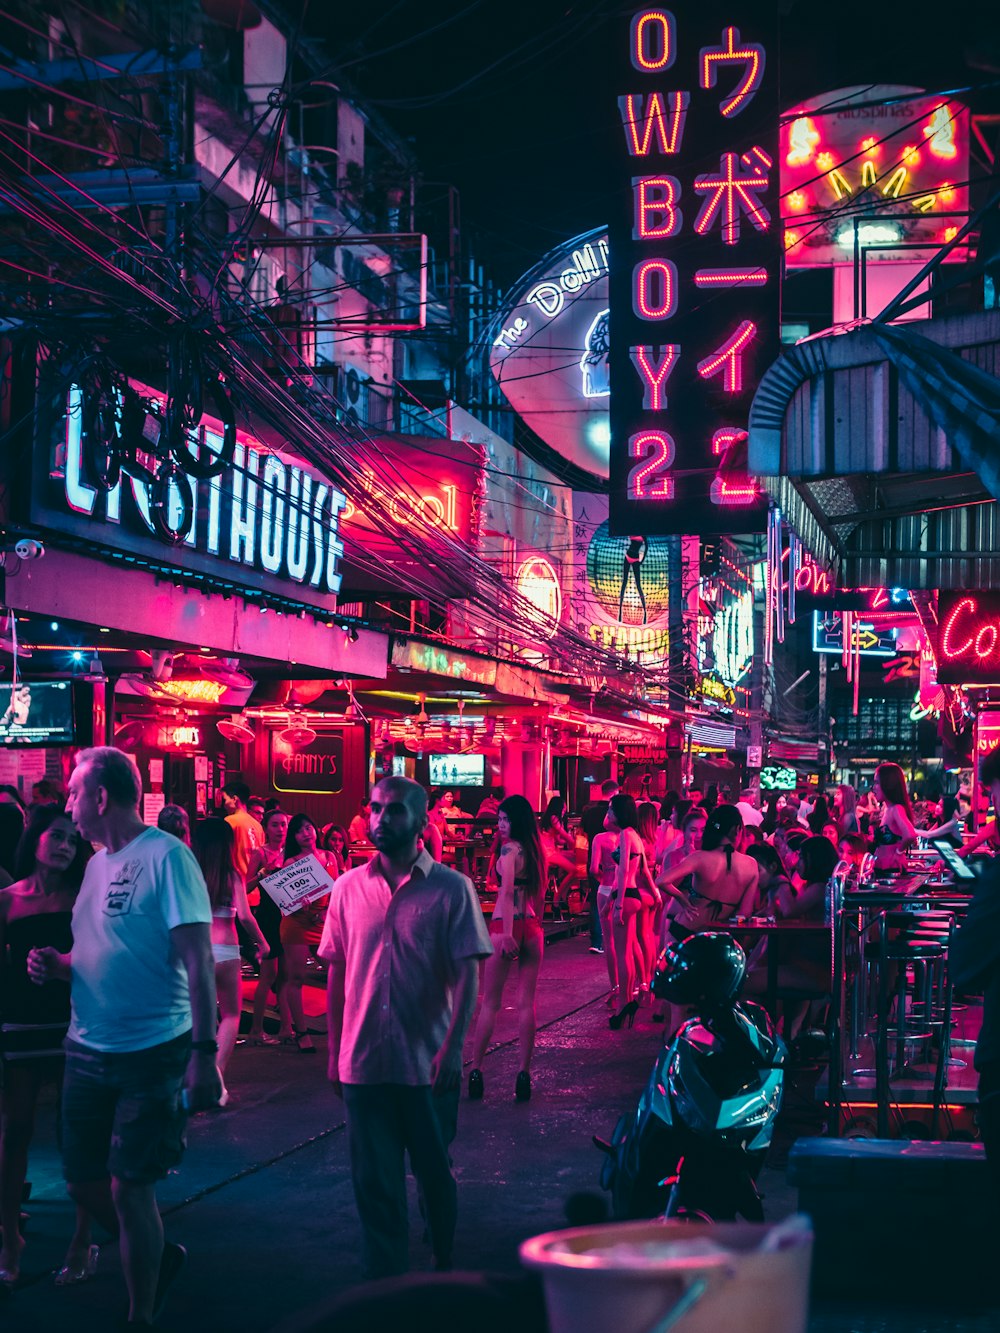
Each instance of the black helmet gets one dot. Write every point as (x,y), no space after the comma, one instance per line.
(706,969)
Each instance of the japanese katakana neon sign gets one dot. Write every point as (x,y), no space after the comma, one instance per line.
(694,266)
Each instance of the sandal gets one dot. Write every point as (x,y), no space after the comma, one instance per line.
(70,1277)
(304,1042)
(264,1039)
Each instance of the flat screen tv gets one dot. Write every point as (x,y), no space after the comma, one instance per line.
(458,770)
(38,712)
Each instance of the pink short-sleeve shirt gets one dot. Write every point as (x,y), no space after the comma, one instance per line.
(401,953)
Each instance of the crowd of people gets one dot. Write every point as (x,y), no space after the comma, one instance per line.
(121,970)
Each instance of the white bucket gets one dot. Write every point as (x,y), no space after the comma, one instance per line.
(754,1291)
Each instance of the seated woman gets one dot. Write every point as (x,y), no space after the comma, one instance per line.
(772,882)
(803,962)
(559,846)
(950,828)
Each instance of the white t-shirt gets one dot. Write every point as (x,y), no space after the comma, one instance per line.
(130,988)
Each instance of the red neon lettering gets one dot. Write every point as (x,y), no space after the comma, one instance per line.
(948,648)
(810,578)
(656,215)
(649,112)
(729,194)
(654,366)
(751,56)
(733,491)
(724,439)
(654,289)
(988,634)
(730,277)
(653,40)
(653,469)
(729,358)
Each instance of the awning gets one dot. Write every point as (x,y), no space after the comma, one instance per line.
(880,446)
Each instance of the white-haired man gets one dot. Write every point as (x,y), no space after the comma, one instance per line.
(142,991)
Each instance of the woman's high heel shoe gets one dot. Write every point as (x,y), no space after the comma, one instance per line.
(70,1277)
(522,1086)
(624,1015)
(476,1085)
(613,995)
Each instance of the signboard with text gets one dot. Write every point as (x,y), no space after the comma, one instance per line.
(695,264)
(868,639)
(968,642)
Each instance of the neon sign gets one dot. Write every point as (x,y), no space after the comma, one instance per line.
(877,153)
(695,266)
(538,582)
(968,645)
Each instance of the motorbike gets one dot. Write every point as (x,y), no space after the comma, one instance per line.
(696,1143)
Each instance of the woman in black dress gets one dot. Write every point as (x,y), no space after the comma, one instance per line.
(35,913)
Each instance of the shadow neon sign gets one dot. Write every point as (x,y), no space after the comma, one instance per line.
(968,642)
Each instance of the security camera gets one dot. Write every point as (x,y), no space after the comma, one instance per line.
(28,549)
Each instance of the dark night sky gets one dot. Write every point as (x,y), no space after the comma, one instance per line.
(510,100)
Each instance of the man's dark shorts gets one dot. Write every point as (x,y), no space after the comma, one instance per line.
(122,1113)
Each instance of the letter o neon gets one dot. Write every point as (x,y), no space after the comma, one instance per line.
(987,630)
(652,41)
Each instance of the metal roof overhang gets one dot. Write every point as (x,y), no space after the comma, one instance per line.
(881,446)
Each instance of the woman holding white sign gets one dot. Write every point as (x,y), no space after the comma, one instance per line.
(214,844)
(303,930)
(263,861)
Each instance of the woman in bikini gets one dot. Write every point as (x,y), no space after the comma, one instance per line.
(630,859)
(723,880)
(895,833)
(519,866)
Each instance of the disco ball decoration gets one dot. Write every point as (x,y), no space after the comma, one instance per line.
(620,585)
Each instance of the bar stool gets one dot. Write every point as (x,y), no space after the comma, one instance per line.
(921,939)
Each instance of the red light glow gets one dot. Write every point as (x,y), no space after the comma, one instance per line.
(733,52)
(966,634)
(653,40)
(729,357)
(656,215)
(654,289)
(733,491)
(729,195)
(725,438)
(666,123)
(643,481)
(653,365)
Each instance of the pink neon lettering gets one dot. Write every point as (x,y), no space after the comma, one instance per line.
(948,648)
(751,56)
(653,40)
(665,123)
(729,358)
(654,366)
(730,277)
(739,491)
(656,215)
(662,456)
(654,289)
(724,439)
(729,195)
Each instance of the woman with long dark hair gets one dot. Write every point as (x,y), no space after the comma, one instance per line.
(518,862)
(630,859)
(895,831)
(303,930)
(723,880)
(214,844)
(35,913)
(950,828)
(845,809)
(559,846)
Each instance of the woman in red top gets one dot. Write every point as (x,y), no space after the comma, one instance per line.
(302,931)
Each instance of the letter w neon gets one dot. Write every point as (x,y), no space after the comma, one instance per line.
(649,114)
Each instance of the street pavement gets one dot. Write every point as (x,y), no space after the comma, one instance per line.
(263,1199)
